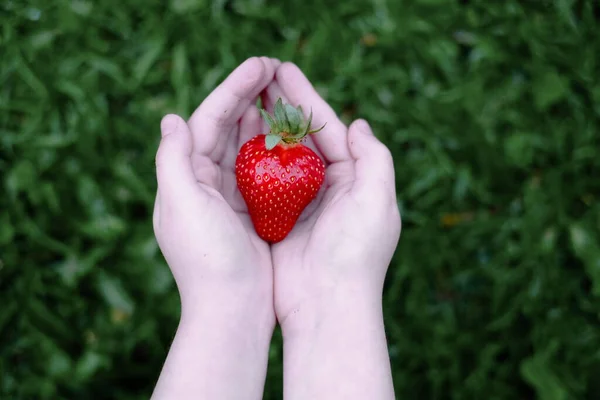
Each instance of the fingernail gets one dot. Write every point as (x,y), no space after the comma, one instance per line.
(168,124)
(364,127)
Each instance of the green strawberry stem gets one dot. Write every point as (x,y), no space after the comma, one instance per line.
(287,125)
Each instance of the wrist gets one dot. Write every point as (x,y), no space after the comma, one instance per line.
(216,344)
(246,305)
(335,307)
(336,348)
(229,311)
(240,334)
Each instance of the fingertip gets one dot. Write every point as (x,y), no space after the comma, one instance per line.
(276,62)
(361,126)
(253,63)
(173,156)
(244,81)
(270,66)
(169,124)
(287,69)
(269,73)
(363,144)
(365,127)
(254,70)
(175,139)
(358,131)
(374,164)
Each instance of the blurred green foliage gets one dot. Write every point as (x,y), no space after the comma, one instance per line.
(491,109)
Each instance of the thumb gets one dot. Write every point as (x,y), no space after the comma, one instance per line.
(374,165)
(174,171)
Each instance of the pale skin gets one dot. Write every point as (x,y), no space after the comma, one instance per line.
(323,283)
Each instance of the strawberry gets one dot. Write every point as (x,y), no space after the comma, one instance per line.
(277,175)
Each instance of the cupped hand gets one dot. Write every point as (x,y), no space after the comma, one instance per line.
(200,219)
(344,241)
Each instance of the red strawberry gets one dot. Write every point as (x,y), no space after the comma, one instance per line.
(277,175)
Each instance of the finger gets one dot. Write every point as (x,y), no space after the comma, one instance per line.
(250,126)
(230,138)
(271,94)
(207,172)
(156,214)
(374,166)
(227,161)
(331,141)
(224,138)
(222,109)
(174,171)
(231,193)
(276,62)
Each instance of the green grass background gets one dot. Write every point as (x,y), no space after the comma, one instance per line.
(491,109)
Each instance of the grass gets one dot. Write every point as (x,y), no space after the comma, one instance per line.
(491,109)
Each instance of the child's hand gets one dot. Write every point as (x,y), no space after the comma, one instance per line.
(222,269)
(346,238)
(200,219)
(329,271)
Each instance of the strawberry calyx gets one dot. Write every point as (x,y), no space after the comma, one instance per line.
(287,125)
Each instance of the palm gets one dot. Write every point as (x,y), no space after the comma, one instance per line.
(224,216)
(304,259)
(337,236)
(319,251)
